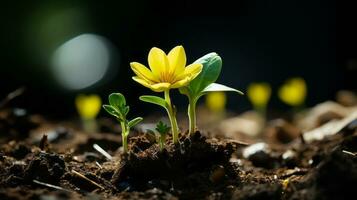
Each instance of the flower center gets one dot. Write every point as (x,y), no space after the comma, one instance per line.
(167,77)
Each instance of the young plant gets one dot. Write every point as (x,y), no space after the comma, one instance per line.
(163,130)
(166,72)
(203,84)
(259,95)
(119,110)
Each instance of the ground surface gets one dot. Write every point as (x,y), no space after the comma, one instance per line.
(200,167)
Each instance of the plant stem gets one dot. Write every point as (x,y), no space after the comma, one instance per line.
(161,142)
(192,115)
(262,111)
(172,117)
(124,136)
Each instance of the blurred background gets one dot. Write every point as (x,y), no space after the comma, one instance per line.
(58,49)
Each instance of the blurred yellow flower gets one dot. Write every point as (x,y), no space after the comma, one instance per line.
(88,106)
(259,94)
(216,101)
(166,71)
(293,92)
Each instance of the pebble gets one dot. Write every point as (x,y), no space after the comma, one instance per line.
(260,155)
(255,148)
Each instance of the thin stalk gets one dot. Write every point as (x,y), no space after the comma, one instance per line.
(191,115)
(124,136)
(172,117)
(162,142)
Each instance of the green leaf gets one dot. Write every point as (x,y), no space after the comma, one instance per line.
(212,65)
(125,110)
(135,121)
(111,110)
(216,87)
(154,99)
(162,128)
(117,100)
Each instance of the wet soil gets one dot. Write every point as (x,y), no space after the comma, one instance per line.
(64,165)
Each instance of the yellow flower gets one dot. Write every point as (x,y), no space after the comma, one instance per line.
(89,106)
(259,94)
(293,92)
(216,101)
(166,71)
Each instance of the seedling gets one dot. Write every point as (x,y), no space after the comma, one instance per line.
(166,72)
(119,110)
(203,84)
(259,95)
(88,107)
(293,92)
(162,129)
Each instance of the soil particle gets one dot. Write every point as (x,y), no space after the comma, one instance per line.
(17,150)
(258,192)
(45,167)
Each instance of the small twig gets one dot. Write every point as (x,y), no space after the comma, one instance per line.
(349,153)
(87,179)
(97,163)
(51,186)
(11,96)
(238,142)
(102,151)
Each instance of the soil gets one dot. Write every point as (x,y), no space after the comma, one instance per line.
(35,153)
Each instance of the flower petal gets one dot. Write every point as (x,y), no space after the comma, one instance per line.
(160,87)
(142,81)
(182,82)
(191,71)
(177,60)
(143,72)
(158,62)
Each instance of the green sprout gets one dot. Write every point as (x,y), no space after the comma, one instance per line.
(162,129)
(119,110)
(203,84)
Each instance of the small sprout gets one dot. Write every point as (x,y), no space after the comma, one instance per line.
(163,130)
(293,92)
(119,110)
(204,84)
(160,133)
(259,95)
(166,72)
(216,101)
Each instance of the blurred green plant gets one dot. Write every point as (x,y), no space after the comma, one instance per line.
(88,106)
(203,84)
(293,92)
(118,108)
(259,95)
(216,102)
